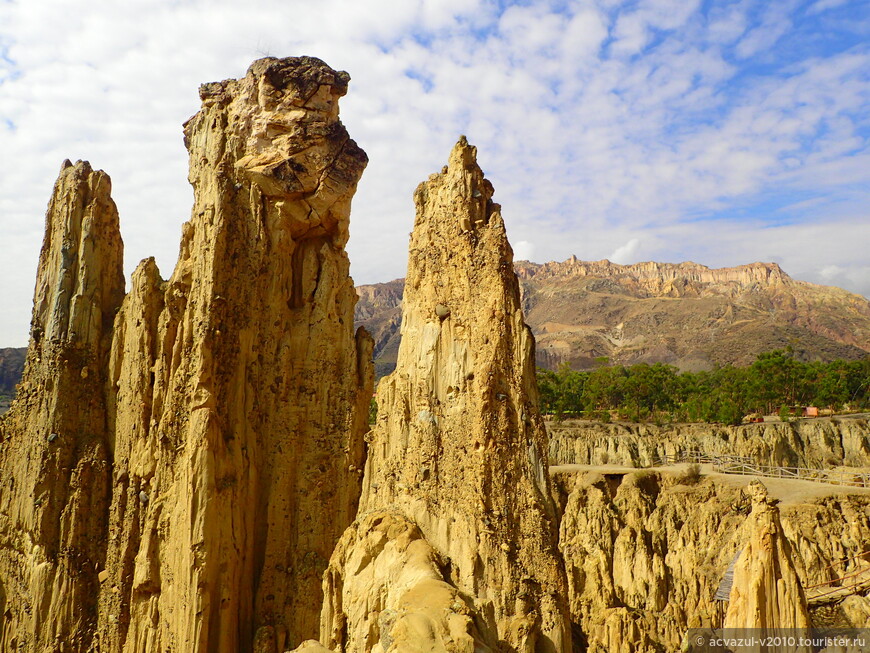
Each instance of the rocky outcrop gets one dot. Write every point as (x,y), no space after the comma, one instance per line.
(645,554)
(179,481)
(685,314)
(54,456)
(240,391)
(398,595)
(637,571)
(816,443)
(660,278)
(457,461)
(766,593)
(379,311)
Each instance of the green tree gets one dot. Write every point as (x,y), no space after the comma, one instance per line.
(831,385)
(604,388)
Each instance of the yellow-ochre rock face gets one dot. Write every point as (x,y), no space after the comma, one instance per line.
(209,444)
(459,449)
(767,593)
(188,468)
(646,553)
(54,457)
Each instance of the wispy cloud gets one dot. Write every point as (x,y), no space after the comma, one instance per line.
(625,254)
(719,131)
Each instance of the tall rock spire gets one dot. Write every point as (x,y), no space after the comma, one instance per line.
(236,454)
(179,480)
(766,593)
(458,458)
(54,457)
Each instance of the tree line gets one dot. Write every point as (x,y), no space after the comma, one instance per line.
(775,382)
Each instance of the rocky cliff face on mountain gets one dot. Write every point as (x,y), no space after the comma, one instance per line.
(379,311)
(178,481)
(686,315)
(456,482)
(11,369)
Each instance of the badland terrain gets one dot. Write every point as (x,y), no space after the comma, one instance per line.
(188,466)
(685,314)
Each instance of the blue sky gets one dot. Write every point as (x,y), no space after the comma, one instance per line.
(719,132)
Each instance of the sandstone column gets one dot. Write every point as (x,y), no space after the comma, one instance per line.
(240,389)
(54,491)
(179,480)
(456,478)
(766,593)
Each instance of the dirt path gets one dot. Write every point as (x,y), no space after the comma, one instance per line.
(788,491)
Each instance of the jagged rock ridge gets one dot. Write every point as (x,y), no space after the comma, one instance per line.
(684,314)
(823,443)
(55,457)
(178,482)
(456,482)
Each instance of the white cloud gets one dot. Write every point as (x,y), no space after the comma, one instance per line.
(727,23)
(824,5)
(524,251)
(601,124)
(625,253)
(775,23)
(831,272)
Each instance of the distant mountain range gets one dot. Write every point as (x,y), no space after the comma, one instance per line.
(685,314)
(11,366)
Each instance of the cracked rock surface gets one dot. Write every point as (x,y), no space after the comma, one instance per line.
(209,439)
(458,455)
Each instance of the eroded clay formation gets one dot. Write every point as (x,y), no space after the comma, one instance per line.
(55,455)
(456,477)
(189,467)
(179,482)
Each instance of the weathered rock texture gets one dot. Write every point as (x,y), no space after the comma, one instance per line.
(54,493)
(235,463)
(817,443)
(459,450)
(379,310)
(683,314)
(645,553)
(767,593)
(210,446)
(387,588)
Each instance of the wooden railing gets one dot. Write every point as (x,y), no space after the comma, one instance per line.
(700,457)
(835,589)
(728,464)
(855,581)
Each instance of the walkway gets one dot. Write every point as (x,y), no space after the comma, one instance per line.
(727,464)
(855,582)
